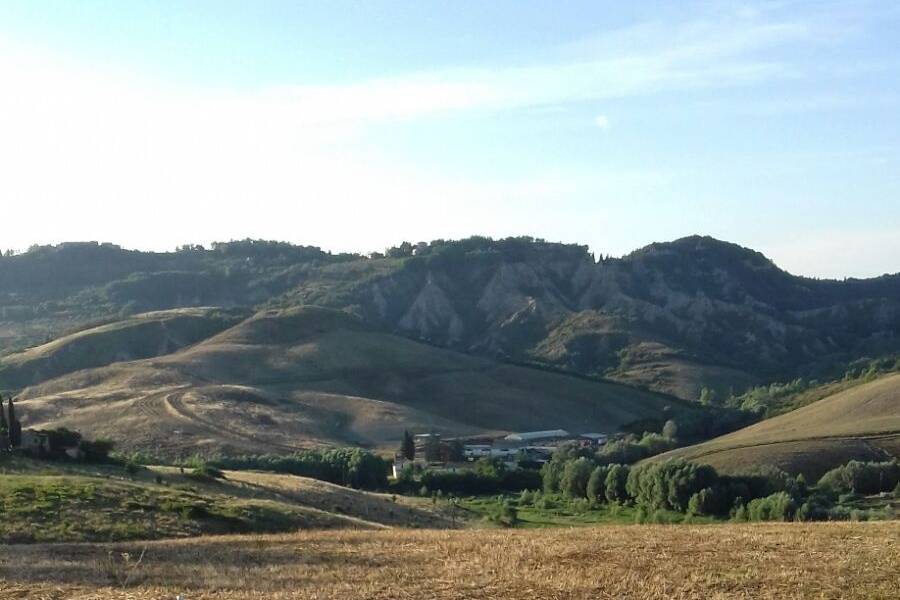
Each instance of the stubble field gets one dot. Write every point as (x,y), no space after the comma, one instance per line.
(825,560)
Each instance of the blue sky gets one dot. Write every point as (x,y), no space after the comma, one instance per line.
(355,125)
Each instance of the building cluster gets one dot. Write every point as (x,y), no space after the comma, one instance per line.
(433,453)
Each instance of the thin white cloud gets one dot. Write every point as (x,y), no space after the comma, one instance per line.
(601,121)
(109,156)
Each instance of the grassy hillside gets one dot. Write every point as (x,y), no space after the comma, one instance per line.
(46,501)
(766,561)
(294,378)
(861,423)
(141,336)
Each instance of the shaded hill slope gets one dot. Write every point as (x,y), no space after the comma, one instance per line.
(52,290)
(288,379)
(860,423)
(141,336)
(674,317)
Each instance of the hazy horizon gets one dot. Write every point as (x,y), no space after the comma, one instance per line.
(355,126)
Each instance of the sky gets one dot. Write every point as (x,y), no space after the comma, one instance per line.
(356,125)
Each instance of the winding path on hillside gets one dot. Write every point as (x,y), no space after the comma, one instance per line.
(173,402)
(167,405)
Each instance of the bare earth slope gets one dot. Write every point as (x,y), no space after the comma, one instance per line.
(282,380)
(860,423)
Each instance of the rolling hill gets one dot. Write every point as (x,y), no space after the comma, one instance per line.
(860,423)
(58,501)
(673,317)
(141,336)
(286,379)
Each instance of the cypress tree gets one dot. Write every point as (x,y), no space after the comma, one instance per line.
(408,446)
(15,428)
(4,426)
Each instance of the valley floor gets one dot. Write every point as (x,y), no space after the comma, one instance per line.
(775,560)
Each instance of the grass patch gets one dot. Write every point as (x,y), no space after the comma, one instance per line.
(556,511)
(73,507)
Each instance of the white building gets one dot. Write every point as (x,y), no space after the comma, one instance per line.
(534,436)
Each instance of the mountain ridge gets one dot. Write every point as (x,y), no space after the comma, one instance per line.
(673,316)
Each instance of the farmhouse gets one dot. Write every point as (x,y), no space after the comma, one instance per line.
(433,454)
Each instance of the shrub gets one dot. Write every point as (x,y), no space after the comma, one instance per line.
(96,451)
(708,501)
(863,477)
(777,507)
(206,472)
(504,514)
(812,510)
(739,510)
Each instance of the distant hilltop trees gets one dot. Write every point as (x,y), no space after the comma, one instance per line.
(520,247)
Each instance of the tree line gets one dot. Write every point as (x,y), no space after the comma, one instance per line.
(678,486)
(351,467)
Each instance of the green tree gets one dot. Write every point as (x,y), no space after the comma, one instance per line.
(596,486)
(670,430)
(707,396)
(551,472)
(777,507)
(575,476)
(616,484)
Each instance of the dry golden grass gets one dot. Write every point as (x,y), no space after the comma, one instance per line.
(307,376)
(826,560)
(859,423)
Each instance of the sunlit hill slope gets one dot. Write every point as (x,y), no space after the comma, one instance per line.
(287,379)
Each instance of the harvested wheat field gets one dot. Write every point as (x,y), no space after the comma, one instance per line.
(826,560)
